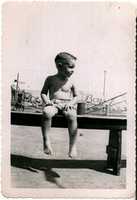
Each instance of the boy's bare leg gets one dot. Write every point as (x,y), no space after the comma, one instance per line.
(46,126)
(48,113)
(72,127)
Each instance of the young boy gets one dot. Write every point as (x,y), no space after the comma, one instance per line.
(63,99)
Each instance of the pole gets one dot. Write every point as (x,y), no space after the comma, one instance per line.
(104,85)
(17,81)
(108,100)
(17,86)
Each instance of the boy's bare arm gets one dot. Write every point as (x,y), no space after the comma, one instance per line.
(44,92)
(45,98)
(75,95)
(74,100)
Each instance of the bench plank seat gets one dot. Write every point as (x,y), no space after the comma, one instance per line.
(84,121)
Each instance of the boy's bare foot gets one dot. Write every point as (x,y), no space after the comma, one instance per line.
(48,150)
(73,153)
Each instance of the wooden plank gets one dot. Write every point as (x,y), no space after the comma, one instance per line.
(84,121)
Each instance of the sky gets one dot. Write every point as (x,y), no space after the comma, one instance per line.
(100,35)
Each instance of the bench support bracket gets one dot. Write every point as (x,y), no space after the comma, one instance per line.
(114,151)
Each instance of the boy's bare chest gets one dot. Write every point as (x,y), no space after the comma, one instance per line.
(61,86)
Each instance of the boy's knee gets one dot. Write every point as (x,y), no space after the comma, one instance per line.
(49,112)
(71,115)
(47,115)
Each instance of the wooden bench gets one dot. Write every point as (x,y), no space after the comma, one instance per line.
(115,125)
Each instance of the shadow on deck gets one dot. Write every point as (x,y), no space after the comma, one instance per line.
(34,164)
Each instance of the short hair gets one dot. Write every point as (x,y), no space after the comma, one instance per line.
(64,56)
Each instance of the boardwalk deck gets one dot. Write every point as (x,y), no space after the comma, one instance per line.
(114,124)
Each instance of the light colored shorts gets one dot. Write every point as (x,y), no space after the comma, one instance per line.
(58,108)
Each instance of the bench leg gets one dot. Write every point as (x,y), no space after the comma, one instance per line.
(114,151)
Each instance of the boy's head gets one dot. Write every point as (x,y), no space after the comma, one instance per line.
(65,63)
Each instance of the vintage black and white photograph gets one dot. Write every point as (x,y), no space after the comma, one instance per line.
(69,99)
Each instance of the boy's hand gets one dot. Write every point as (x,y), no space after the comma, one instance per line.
(68,106)
(49,103)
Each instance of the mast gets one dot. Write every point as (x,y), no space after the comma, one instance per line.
(17,86)
(17,81)
(104,85)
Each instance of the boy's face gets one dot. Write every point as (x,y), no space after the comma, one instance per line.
(66,67)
